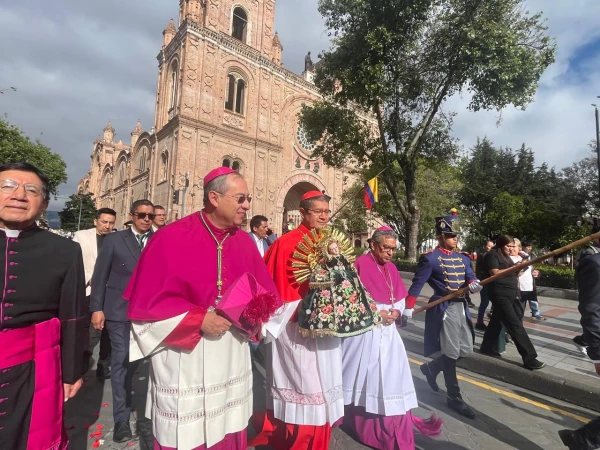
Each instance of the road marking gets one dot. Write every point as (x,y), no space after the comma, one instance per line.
(514,396)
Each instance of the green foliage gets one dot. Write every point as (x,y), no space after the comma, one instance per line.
(15,147)
(503,192)
(69,216)
(551,276)
(352,218)
(399,61)
(556,277)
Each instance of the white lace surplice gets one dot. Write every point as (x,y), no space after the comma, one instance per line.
(305,380)
(376,371)
(196,397)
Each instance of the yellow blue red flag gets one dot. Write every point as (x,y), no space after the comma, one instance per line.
(371,194)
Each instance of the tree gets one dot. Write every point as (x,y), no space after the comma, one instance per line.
(582,181)
(15,147)
(437,190)
(69,216)
(400,61)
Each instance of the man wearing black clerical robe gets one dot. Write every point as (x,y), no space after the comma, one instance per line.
(42,316)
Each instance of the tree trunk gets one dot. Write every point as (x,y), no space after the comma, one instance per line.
(414,213)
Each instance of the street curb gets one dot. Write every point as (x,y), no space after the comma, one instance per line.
(542,382)
(543,291)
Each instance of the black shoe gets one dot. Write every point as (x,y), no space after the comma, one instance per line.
(508,340)
(122,432)
(492,353)
(103,371)
(471,304)
(458,405)
(431,378)
(481,326)
(569,439)
(534,365)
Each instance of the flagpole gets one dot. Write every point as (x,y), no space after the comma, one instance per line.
(351,199)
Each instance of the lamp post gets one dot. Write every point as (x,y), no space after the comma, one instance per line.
(597,142)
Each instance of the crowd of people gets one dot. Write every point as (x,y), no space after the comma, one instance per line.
(156,292)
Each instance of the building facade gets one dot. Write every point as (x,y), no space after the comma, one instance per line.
(223,98)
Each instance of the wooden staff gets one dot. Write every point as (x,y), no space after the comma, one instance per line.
(515,268)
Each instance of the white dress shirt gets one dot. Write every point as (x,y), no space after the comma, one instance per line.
(260,243)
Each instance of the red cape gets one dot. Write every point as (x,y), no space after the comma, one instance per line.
(279,260)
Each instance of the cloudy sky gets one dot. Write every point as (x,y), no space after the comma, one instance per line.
(76,64)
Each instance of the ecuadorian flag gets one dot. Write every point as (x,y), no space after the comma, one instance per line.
(371,194)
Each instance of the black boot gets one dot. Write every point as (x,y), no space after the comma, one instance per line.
(455,401)
(431,371)
(458,405)
(585,438)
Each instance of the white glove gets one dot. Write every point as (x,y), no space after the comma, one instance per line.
(408,313)
(475,287)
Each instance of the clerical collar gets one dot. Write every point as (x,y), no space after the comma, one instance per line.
(218,232)
(445,252)
(11,233)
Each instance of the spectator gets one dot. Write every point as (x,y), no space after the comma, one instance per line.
(507,310)
(116,261)
(259,226)
(91,242)
(527,284)
(482,273)
(160,218)
(587,276)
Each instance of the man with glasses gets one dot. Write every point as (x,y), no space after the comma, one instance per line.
(117,259)
(304,390)
(201,371)
(42,315)
(160,218)
(448,326)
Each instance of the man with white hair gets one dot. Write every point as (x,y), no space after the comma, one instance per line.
(379,392)
(200,395)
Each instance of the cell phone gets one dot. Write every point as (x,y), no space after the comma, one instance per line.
(269,232)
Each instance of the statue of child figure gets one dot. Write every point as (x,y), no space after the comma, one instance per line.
(337,304)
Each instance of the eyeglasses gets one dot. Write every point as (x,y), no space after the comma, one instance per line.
(241,198)
(144,215)
(386,248)
(320,212)
(11,186)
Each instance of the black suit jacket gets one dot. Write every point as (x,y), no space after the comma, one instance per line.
(587,276)
(115,264)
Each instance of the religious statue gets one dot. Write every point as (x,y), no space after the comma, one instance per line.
(308,64)
(336,303)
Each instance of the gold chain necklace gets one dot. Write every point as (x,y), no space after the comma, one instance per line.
(219,257)
(388,280)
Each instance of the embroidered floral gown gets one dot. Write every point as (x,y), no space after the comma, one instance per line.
(337,304)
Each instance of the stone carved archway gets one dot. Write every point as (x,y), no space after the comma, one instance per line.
(289,195)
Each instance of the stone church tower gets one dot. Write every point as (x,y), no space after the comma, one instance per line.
(223,98)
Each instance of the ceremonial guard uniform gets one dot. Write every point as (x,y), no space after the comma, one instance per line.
(448,326)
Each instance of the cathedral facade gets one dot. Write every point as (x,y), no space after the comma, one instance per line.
(223,99)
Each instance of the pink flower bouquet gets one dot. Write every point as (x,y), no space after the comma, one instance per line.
(247,305)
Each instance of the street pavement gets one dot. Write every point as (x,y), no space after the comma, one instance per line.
(508,416)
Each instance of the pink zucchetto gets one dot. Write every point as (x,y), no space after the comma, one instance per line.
(217,173)
(385,228)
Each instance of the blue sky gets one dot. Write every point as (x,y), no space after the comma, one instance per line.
(77,64)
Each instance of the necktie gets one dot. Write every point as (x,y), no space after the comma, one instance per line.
(141,238)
